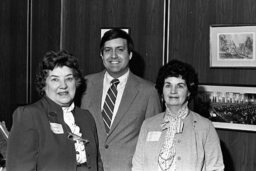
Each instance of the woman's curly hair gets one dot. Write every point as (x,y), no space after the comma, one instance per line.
(176,68)
(52,60)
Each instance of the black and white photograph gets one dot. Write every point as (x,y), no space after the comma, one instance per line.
(231,107)
(112,85)
(232,46)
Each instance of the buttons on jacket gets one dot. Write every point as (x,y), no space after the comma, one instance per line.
(106,146)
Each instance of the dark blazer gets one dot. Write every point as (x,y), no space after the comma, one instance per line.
(32,145)
(140,100)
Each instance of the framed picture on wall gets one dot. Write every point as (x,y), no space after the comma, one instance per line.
(104,30)
(228,107)
(232,46)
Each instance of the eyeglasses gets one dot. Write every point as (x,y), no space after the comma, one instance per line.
(74,137)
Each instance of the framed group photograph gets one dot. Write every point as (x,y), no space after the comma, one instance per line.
(232,46)
(228,107)
(3,142)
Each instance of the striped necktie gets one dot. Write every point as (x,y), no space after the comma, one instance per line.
(109,104)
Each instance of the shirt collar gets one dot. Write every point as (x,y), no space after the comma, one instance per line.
(69,108)
(123,79)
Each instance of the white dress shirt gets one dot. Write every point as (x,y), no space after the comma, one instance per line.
(120,90)
(79,145)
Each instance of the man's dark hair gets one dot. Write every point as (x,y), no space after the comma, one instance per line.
(114,34)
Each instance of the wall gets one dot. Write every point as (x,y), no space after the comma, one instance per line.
(31,28)
(82,21)
(189,41)
(27,30)
(45,26)
(189,35)
(13,63)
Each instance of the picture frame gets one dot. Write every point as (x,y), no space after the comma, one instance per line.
(4,134)
(228,107)
(105,29)
(232,46)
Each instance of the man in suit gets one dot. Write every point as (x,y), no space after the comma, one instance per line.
(136,100)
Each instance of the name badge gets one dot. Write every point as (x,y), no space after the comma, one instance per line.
(56,128)
(154,136)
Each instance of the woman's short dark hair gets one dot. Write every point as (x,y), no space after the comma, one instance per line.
(52,60)
(176,68)
(114,34)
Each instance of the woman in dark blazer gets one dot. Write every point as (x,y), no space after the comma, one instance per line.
(52,134)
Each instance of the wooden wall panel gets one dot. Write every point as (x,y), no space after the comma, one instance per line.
(239,150)
(28,29)
(189,35)
(13,41)
(189,42)
(82,21)
(45,35)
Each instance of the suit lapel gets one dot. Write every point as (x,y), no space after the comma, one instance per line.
(95,104)
(129,94)
(79,121)
(54,110)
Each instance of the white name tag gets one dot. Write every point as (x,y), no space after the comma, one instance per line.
(154,136)
(56,128)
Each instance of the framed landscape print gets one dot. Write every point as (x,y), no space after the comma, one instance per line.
(232,46)
(228,107)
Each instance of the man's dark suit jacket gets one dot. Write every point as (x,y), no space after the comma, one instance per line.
(140,100)
(32,144)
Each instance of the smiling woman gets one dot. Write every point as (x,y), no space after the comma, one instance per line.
(175,92)
(177,139)
(40,136)
(61,86)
